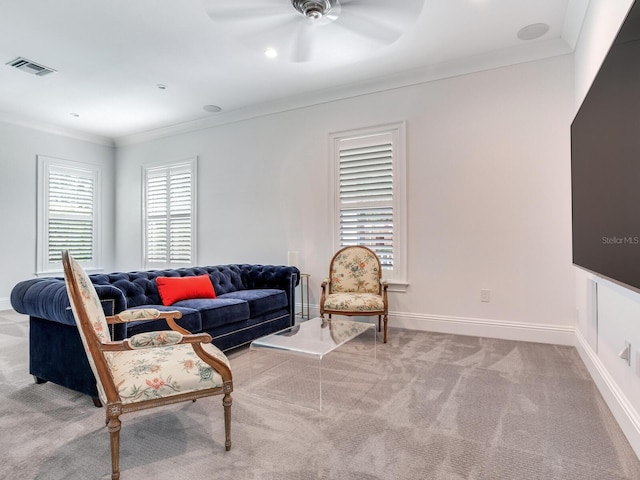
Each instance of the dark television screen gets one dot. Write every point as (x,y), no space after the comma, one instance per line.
(605,163)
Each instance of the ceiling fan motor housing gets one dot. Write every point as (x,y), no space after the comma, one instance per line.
(313,9)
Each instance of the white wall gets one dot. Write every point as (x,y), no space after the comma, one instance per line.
(488,196)
(488,204)
(601,24)
(608,314)
(19,147)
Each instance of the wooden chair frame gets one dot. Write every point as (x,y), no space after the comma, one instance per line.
(114,405)
(382,291)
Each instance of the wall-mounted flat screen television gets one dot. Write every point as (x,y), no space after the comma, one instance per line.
(605,163)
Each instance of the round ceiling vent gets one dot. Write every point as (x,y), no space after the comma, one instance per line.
(533,31)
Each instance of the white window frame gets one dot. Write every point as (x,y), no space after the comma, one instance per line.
(46,166)
(190,165)
(395,134)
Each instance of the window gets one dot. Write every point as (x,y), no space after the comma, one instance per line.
(369,195)
(68,213)
(169,214)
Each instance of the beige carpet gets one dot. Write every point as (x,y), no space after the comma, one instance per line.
(433,406)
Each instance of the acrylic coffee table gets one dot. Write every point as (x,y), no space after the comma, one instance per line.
(314,339)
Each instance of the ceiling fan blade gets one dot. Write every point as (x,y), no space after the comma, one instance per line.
(377,31)
(244,10)
(411,6)
(302,42)
(238,15)
(393,18)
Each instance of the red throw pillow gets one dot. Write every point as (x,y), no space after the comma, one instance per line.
(174,289)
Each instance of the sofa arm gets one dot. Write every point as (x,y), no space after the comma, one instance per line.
(47,298)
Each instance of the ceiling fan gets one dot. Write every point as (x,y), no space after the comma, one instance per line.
(315,30)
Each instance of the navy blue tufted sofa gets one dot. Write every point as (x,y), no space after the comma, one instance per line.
(251,301)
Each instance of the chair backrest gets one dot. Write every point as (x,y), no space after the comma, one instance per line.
(355,269)
(89,317)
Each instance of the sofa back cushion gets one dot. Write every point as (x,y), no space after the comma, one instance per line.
(226,278)
(141,288)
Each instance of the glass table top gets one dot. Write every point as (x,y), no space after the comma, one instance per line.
(315,337)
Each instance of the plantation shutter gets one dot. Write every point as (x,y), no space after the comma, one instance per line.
(366,195)
(70,224)
(169,204)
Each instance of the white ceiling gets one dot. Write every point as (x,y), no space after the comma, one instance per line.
(110,55)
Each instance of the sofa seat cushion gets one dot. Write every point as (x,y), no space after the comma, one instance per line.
(191,320)
(240,333)
(217,311)
(261,300)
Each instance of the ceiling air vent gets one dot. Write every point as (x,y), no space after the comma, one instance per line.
(30,67)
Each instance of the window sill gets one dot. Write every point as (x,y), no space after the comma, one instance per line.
(398,286)
(60,273)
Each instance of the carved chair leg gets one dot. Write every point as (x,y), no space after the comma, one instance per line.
(379,323)
(385,328)
(226,402)
(114,434)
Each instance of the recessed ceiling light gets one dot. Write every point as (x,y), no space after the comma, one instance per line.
(271,52)
(74,114)
(161,86)
(212,108)
(533,31)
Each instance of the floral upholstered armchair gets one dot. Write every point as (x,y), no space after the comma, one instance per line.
(149,369)
(355,286)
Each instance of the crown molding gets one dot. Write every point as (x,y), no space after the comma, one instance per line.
(56,130)
(522,54)
(573,21)
(463,66)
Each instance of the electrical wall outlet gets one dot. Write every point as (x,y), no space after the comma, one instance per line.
(625,354)
(485,295)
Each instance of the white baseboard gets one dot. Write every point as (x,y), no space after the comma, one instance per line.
(622,410)
(483,327)
(5,304)
(480,327)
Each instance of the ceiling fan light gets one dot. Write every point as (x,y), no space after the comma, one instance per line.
(313,13)
(313,9)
